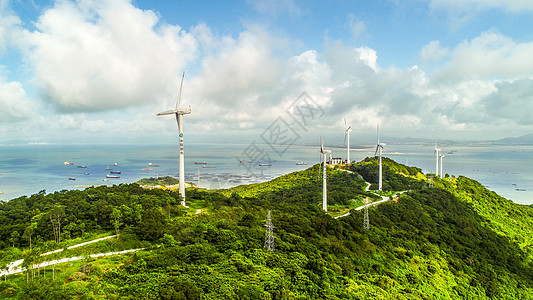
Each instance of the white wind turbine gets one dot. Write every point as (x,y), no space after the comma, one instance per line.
(437,155)
(324,153)
(347,140)
(379,149)
(179,112)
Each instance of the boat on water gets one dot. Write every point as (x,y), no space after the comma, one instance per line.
(112,176)
(115,172)
(107,168)
(152,165)
(147,169)
(82,167)
(265,165)
(204,166)
(115,164)
(200,163)
(72,178)
(301,163)
(245,161)
(86,173)
(68,163)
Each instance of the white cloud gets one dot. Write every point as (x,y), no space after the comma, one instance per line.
(490,55)
(14,104)
(101,55)
(8,26)
(433,52)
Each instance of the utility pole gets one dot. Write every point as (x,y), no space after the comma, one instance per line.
(269,235)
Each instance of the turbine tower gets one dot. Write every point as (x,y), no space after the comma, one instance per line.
(324,153)
(347,129)
(437,155)
(179,112)
(441,172)
(379,149)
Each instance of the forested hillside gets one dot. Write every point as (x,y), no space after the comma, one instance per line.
(453,241)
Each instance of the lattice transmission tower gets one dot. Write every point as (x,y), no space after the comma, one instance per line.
(366,219)
(269,235)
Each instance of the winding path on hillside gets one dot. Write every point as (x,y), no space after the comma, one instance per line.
(367,188)
(15,266)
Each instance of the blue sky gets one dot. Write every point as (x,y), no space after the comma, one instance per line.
(99,71)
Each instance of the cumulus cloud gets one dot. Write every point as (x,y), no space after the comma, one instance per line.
(433,52)
(8,26)
(490,55)
(14,103)
(512,100)
(96,55)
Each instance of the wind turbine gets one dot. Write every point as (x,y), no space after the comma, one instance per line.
(324,153)
(379,149)
(347,135)
(179,112)
(437,154)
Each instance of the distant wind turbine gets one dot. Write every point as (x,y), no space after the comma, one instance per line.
(379,149)
(437,155)
(179,112)
(324,153)
(347,129)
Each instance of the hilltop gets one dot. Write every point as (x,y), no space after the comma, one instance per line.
(450,238)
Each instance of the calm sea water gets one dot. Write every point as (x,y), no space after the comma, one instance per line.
(25,170)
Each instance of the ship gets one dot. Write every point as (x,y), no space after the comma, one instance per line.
(86,173)
(82,167)
(68,163)
(115,172)
(72,178)
(115,164)
(112,176)
(200,163)
(107,168)
(301,163)
(152,165)
(265,165)
(204,166)
(147,169)
(245,161)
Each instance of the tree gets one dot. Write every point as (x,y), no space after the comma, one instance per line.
(14,237)
(116,217)
(28,232)
(56,215)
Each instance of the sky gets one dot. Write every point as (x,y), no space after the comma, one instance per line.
(98,71)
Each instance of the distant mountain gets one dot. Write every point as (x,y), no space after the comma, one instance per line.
(526,139)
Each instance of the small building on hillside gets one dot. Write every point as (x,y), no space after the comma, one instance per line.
(335,160)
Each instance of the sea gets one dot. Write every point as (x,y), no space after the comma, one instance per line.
(28,169)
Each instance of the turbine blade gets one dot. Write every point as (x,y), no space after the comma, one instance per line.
(179,94)
(167,112)
(377,149)
(345,134)
(344,122)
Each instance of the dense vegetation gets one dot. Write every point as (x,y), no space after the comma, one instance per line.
(454,241)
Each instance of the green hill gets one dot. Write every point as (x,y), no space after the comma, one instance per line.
(455,240)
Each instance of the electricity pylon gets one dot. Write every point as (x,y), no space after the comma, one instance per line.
(269,235)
